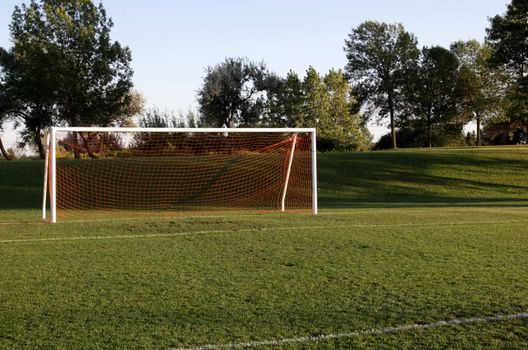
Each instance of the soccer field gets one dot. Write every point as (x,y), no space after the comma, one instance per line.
(412,249)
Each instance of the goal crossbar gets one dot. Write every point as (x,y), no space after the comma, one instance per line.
(184,130)
(50,177)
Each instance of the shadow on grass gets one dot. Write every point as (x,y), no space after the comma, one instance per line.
(339,203)
(423,179)
(21,184)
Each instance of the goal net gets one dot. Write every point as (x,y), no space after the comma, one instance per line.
(152,171)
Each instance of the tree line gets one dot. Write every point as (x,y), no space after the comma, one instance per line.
(64,69)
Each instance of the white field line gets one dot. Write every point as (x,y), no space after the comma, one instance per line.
(276,228)
(359,333)
(85,238)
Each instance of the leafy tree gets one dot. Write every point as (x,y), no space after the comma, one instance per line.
(292,100)
(135,107)
(316,99)
(156,118)
(507,36)
(84,75)
(481,85)
(340,125)
(411,135)
(238,92)
(29,89)
(271,96)
(432,95)
(326,103)
(380,56)
(231,94)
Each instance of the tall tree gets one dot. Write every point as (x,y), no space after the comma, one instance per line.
(272,92)
(285,101)
(432,94)
(29,90)
(508,37)
(85,76)
(380,56)
(341,124)
(231,93)
(481,84)
(238,92)
(327,105)
(316,99)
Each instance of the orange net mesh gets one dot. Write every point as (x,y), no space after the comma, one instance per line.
(158,172)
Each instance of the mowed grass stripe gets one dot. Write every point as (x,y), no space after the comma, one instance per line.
(348,226)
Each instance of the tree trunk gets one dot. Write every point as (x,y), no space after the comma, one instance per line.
(38,141)
(42,152)
(4,152)
(86,144)
(392,123)
(75,141)
(478,129)
(430,131)
(74,117)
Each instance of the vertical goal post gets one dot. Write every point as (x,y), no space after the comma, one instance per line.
(281,152)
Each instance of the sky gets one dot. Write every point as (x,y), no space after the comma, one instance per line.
(173,41)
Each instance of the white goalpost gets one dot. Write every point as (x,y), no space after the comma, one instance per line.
(141,171)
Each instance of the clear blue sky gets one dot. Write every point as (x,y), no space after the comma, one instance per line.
(173,40)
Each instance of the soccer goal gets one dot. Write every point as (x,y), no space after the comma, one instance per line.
(151,171)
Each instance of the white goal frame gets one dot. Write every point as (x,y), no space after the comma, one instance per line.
(51,160)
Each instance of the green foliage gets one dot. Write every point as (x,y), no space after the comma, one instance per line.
(471,139)
(230,93)
(327,104)
(340,125)
(507,36)
(30,88)
(433,93)
(290,102)
(64,68)
(505,132)
(241,93)
(156,118)
(481,85)
(412,135)
(380,57)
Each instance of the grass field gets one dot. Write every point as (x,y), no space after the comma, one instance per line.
(406,238)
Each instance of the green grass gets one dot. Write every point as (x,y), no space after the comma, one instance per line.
(405,237)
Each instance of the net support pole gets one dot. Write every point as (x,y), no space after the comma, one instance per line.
(45,187)
(314,173)
(288,171)
(53,164)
